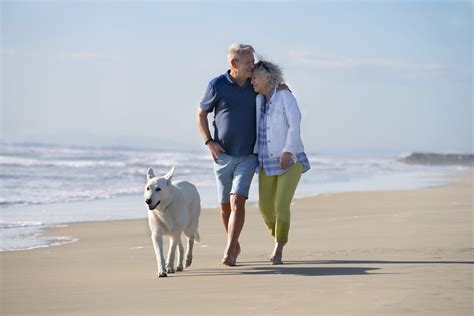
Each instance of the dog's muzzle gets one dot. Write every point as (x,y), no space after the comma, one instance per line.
(148,202)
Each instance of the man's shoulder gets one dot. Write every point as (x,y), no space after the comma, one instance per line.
(218,80)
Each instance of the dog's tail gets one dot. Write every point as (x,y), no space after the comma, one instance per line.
(197,237)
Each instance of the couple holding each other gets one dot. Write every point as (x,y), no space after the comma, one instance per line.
(256,130)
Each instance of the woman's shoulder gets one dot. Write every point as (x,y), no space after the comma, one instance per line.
(286,96)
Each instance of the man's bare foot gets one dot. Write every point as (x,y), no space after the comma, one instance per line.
(237,251)
(231,256)
(229,261)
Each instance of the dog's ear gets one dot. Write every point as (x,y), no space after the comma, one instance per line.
(169,175)
(150,174)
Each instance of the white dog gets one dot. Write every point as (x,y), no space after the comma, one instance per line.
(173,207)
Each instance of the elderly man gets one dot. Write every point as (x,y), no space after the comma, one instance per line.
(232,99)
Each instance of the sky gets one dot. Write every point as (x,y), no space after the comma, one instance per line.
(369,76)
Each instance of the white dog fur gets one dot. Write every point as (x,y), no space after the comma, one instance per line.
(173,207)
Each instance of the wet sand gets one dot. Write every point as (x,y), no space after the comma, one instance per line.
(396,252)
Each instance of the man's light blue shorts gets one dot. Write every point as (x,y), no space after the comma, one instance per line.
(234,175)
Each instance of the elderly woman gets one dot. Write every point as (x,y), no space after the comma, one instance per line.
(280,151)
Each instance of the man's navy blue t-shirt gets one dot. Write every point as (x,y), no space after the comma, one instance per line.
(234,114)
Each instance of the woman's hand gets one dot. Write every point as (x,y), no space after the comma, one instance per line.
(285,159)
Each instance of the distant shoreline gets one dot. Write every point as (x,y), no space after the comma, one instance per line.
(435,159)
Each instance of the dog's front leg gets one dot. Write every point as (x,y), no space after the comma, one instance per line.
(179,267)
(160,258)
(171,253)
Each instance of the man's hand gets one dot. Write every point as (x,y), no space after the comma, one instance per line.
(285,160)
(215,149)
(283,86)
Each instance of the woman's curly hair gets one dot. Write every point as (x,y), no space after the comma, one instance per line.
(275,72)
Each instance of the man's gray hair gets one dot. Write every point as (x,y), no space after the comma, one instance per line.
(269,68)
(237,49)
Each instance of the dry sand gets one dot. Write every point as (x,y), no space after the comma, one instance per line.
(399,252)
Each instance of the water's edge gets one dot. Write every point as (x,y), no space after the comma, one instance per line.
(43,236)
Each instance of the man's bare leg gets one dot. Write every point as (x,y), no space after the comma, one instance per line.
(225,215)
(235,224)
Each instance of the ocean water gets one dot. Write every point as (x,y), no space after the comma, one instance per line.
(44,185)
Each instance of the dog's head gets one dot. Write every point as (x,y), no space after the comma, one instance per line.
(157,189)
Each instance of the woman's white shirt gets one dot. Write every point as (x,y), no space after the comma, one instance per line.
(283,124)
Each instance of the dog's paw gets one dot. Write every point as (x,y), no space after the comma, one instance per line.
(169,269)
(162,274)
(179,268)
(189,260)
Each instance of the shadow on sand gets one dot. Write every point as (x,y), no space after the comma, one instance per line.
(296,262)
(308,271)
(266,268)
(308,268)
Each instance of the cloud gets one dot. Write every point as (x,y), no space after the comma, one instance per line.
(320,61)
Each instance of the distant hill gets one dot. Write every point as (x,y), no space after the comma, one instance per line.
(440,159)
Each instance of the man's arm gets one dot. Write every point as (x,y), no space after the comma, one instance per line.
(283,86)
(203,127)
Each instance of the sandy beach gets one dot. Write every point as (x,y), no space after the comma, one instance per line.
(394,252)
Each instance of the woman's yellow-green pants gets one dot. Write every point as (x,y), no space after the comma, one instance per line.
(275,195)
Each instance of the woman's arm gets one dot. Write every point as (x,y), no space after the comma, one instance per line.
(293,118)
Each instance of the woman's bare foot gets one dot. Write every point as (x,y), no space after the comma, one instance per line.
(277,255)
(277,259)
